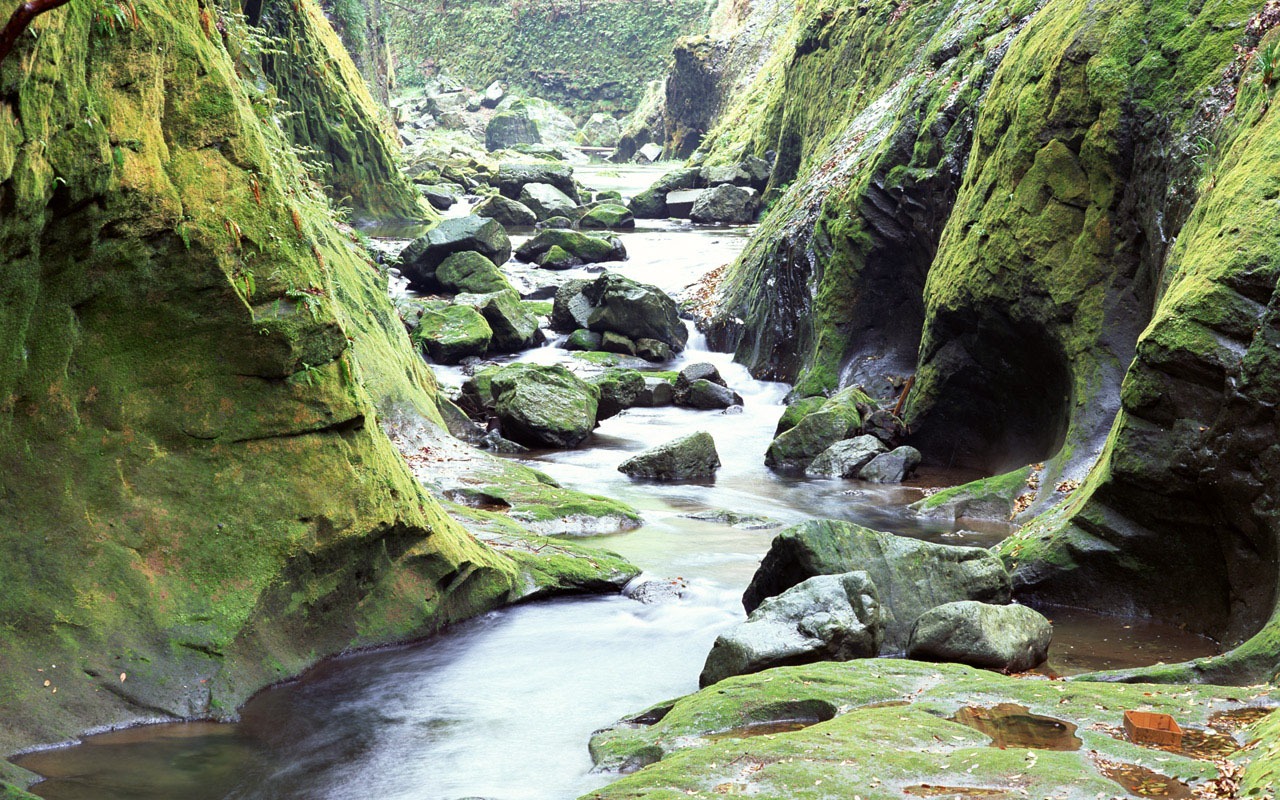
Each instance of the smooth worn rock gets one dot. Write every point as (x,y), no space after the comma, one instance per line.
(512,178)
(649,153)
(691,457)
(912,576)
(706,395)
(846,458)
(493,95)
(508,213)
(891,467)
(1008,638)
(583,340)
(561,223)
(514,328)
(824,618)
(544,406)
(654,351)
(650,592)
(609,216)
(585,248)
(725,203)
(635,310)
(796,448)
(696,372)
(469,271)
(420,259)
(441,197)
(620,389)
(453,333)
(546,201)
(611,342)
(657,393)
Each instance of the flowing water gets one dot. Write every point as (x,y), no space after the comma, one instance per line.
(502,707)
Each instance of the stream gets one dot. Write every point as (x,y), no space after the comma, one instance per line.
(502,707)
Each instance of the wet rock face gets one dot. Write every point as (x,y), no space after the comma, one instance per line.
(1008,638)
(574,249)
(693,94)
(511,178)
(891,467)
(912,576)
(691,457)
(823,618)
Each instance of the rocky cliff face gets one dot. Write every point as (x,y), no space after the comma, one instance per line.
(196,498)
(1053,217)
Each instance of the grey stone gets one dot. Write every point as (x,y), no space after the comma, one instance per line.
(725,203)
(419,260)
(1008,638)
(546,201)
(508,213)
(680,203)
(689,457)
(891,467)
(845,458)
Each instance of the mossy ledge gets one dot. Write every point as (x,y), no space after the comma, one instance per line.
(198,498)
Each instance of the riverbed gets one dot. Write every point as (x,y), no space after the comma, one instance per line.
(502,707)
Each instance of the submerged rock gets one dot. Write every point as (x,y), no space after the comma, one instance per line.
(912,576)
(1009,638)
(823,618)
(686,458)
(543,406)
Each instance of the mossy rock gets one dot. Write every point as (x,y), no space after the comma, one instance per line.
(586,248)
(619,390)
(454,333)
(508,213)
(514,328)
(424,255)
(471,272)
(583,340)
(608,217)
(543,406)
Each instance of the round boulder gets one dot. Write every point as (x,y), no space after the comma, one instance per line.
(689,457)
(470,271)
(546,201)
(1006,638)
(508,213)
(419,261)
(635,310)
(609,216)
(543,406)
(846,458)
(725,203)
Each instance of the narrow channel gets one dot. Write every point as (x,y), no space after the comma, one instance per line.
(502,707)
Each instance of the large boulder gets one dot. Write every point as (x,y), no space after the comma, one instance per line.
(705,395)
(508,213)
(600,130)
(527,121)
(846,458)
(891,467)
(453,333)
(725,203)
(571,310)
(635,310)
(469,271)
(546,201)
(582,248)
(912,576)
(689,457)
(419,260)
(649,204)
(543,406)
(823,618)
(796,448)
(512,178)
(1008,638)
(514,328)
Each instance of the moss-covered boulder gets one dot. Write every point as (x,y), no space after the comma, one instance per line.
(514,328)
(823,618)
(424,255)
(620,389)
(836,418)
(608,217)
(543,406)
(453,333)
(648,204)
(691,457)
(512,178)
(527,120)
(583,248)
(912,576)
(471,272)
(506,212)
(635,310)
(583,340)
(546,201)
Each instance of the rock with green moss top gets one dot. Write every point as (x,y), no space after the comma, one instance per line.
(609,195)
(796,411)
(442,197)
(585,248)
(611,342)
(654,351)
(583,340)
(649,204)
(528,120)
(987,498)
(1008,638)
(453,333)
(570,309)
(476,395)
(796,448)
(514,328)
(506,212)
(424,255)
(556,223)
(691,457)
(541,406)
(608,217)
(471,272)
(620,389)
(891,467)
(880,729)
(823,618)
(558,258)
(546,201)
(845,459)
(600,130)
(635,310)
(912,576)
